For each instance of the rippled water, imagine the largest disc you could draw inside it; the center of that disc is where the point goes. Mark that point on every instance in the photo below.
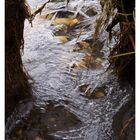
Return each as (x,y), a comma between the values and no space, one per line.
(48,62)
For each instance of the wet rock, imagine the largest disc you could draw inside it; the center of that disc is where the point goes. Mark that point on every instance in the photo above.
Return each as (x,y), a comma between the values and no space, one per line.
(83,88)
(99,93)
(63,39)
(66,21)
(87,90)
(39,125)
(98,62)
(124,122)
(91,12)
(64,14)
(92,94)
(61,30)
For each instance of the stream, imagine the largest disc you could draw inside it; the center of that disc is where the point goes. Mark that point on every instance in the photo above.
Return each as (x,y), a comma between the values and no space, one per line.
(61,110)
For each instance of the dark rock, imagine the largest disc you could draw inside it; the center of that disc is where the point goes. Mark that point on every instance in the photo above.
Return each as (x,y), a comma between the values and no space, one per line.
(91,12)
(39,124)
(124,122)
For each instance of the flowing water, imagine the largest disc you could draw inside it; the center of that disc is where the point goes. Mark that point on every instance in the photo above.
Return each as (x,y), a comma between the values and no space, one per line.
(56,85)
